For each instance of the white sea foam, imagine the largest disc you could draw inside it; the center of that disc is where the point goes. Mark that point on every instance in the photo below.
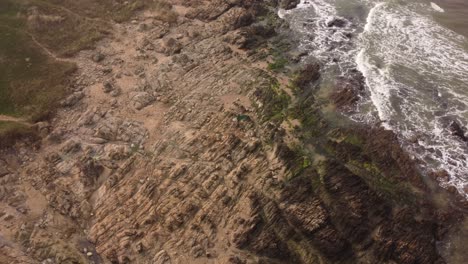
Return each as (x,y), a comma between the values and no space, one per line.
(415,69)
(437,8)
(281,13)
(312,19)
(404,57)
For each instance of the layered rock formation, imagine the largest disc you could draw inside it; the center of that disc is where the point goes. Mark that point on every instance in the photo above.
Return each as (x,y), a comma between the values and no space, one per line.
(173,149)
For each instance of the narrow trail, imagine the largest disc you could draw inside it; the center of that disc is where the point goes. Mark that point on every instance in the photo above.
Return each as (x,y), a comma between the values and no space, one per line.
(7,118)
(40,45)
(46,50)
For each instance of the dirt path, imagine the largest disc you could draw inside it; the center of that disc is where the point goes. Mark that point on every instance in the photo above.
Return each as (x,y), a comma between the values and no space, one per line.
(6,118)
(46,50)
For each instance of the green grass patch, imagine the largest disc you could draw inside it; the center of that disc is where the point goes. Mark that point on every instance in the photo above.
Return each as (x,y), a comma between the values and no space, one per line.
(116,10)
(355,140)
(60,29)
(278,49)
(385,186)
(278,64)
(32,83)
(309,116)
(303,160)
(276,102)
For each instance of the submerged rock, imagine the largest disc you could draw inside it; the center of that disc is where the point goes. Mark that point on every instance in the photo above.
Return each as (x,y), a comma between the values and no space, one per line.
(456,129)
(336,22)
(288,4)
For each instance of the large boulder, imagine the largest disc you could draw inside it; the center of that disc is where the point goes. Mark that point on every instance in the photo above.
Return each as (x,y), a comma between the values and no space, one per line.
(142,99)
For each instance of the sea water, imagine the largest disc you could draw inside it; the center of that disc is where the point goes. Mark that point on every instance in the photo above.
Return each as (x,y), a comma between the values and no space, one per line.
(414,57)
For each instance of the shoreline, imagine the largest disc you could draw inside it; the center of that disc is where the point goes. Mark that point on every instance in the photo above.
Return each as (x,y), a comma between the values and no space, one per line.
(442,198)
(341,41)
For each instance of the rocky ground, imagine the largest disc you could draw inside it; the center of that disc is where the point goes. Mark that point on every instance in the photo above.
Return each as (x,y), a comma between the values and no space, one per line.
(167,152)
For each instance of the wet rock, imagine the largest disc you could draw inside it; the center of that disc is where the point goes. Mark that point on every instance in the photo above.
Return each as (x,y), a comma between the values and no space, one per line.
(348,90)
(310,73)
(297,56)
(456,129)
(440,175)
(336,22)
(288,4)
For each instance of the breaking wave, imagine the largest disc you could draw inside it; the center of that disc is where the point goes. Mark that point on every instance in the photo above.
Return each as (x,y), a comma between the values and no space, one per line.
(416,72)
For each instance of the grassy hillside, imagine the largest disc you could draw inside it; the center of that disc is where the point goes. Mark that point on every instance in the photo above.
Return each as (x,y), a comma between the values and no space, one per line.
(30,81)
(32,33)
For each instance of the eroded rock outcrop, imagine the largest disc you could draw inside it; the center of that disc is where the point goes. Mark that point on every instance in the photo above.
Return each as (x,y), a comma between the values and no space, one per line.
(191,161)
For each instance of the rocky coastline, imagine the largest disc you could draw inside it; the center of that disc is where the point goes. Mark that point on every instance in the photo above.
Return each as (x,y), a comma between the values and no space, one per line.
(200,140)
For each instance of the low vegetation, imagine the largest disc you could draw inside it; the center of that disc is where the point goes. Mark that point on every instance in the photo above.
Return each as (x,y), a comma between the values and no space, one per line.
(33,33)
(275,101)
(278,51)
(32,83)
(278,64)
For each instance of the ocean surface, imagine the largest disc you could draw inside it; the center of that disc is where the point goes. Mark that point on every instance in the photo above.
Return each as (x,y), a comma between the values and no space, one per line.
(414,55)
